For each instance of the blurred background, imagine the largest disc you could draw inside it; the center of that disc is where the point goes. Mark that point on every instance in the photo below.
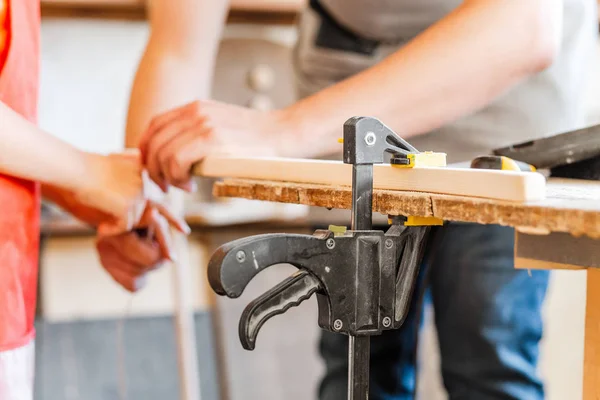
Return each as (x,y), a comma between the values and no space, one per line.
(95,341)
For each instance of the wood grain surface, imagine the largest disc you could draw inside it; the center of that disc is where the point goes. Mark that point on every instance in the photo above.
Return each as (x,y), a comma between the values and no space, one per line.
(591,380)
(493,184)
(571,206)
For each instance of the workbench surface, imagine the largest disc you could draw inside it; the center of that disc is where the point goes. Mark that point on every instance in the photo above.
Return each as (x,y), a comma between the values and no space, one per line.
(252,11)
(571,206)
(202,217)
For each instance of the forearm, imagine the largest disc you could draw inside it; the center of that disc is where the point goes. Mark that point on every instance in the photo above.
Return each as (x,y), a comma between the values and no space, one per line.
(29,153)
(457,66)
(161,83)
(177,65)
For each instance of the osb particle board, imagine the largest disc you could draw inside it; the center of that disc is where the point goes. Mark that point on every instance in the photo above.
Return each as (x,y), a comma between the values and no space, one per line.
(571,206)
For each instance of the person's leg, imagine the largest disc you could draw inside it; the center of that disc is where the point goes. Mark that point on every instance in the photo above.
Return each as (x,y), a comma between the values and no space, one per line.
(487,314)
(393,358)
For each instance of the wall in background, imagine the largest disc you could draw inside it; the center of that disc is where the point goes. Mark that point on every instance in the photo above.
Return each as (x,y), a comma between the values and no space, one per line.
(87,71)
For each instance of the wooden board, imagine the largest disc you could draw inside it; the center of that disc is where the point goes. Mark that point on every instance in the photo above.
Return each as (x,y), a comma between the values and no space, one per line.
(570,205)
(240,11)
(500,185)
(591,380)
(238,213)
(557,250)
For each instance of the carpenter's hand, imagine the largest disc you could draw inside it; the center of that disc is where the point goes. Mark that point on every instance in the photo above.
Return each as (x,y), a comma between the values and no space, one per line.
(117,199)
(178,139)
(128,257)
(115,187)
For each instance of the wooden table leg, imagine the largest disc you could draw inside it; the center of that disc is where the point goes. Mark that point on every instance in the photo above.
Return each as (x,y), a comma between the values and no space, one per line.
(185,328)
(591,364)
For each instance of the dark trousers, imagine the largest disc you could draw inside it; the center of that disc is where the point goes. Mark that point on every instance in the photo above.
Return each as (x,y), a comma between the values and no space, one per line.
(488,321)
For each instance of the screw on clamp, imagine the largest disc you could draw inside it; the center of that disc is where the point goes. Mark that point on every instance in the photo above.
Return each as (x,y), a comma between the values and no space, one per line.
(370,139)
(240,256)
(338,324)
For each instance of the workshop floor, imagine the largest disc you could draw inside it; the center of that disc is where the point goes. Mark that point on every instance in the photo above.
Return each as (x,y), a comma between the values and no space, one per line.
(86,104)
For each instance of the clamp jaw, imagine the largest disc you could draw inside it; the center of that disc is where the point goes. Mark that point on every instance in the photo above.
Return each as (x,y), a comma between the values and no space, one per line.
(363,278)
(367,140)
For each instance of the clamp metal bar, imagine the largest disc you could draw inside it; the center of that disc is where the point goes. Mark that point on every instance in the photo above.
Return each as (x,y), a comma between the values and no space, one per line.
(358,367)
(359,347)
(362,197)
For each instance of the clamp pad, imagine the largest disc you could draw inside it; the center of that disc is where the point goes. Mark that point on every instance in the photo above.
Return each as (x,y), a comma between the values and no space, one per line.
(423,221)
(424,159)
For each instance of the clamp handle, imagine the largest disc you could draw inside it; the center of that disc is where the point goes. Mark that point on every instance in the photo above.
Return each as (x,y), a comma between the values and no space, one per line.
(289,293)
(235,264)
(414,242)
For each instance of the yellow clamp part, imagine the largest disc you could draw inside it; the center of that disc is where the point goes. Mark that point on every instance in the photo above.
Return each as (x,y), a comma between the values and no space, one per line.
(508,164)
(501,163)
(341,140)
(337,230)
(424,159)
(423,221)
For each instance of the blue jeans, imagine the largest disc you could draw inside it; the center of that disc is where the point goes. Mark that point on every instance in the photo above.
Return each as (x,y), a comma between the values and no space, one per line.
(488,320)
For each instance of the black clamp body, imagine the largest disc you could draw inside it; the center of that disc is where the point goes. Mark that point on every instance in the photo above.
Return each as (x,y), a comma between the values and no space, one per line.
(363,278)
(353,299)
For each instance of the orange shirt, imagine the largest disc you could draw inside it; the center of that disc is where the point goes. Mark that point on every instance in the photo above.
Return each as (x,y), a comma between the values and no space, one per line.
(4,31)
(19,199)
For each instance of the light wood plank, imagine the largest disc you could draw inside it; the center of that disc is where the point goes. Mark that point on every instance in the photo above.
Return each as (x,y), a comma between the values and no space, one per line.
(500,185)
(591,366)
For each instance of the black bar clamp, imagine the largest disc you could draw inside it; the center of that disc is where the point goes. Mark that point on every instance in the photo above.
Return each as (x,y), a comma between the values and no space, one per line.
(363,278)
